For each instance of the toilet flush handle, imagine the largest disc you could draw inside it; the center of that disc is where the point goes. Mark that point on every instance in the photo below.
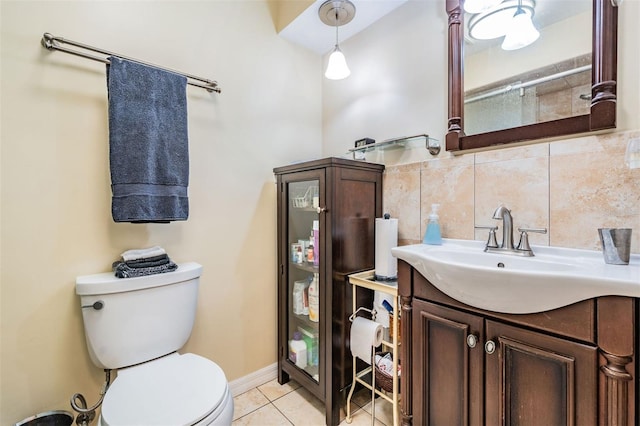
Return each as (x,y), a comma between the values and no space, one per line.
(96,305)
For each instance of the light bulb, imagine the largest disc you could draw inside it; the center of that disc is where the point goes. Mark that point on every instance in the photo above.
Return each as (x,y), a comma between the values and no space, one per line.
(521,32)
(337,68)
(477,6)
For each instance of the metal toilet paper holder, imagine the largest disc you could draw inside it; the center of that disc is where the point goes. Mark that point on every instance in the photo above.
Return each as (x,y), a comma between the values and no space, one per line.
(373,313)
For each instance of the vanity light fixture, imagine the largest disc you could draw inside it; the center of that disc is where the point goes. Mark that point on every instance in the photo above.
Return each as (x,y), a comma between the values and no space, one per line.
(337,13)
(478,6)
(496,22)
(521,31)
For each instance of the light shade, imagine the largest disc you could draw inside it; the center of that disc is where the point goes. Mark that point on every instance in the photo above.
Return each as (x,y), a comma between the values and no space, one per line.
(477,6)
(495,22)
(337,68)
(521,32)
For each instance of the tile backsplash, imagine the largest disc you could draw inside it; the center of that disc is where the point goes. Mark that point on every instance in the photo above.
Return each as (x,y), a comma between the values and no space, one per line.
(571,187)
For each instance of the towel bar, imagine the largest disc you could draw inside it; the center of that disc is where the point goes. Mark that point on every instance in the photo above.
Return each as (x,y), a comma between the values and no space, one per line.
(52,42)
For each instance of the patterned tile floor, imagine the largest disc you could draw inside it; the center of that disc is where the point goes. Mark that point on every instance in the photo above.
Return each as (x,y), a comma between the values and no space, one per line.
(290,404)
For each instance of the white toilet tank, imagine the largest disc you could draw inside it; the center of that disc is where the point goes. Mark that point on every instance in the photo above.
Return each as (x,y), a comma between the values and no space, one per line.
(128,321)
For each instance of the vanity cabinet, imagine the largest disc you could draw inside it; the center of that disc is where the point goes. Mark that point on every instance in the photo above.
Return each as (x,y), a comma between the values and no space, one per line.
(570,366)
(326,222)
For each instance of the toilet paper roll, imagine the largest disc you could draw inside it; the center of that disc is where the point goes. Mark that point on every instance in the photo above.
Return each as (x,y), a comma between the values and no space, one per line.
(386,238)
(365,334)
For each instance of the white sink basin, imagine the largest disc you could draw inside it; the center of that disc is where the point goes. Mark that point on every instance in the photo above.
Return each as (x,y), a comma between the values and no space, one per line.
(553,278)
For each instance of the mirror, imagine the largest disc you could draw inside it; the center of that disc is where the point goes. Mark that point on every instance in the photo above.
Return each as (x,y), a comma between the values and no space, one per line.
(547,79)
(595,69)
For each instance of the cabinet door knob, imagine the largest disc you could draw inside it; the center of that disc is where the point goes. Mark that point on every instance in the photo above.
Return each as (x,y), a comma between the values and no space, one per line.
(472,340)
(490,347)
(321,209)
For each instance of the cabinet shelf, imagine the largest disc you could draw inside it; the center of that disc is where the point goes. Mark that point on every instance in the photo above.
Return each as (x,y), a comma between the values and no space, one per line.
(305,267)
(304,320)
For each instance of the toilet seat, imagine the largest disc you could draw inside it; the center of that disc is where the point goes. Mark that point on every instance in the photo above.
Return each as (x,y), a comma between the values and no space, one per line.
(172,390)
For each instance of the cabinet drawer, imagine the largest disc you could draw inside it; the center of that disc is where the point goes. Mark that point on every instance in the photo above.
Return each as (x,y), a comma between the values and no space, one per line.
(576,321)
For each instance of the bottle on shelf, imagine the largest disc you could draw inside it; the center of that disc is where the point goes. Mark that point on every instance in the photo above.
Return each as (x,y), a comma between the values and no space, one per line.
(305,296)
(298,350)
(311,250)
(298,296)
(316,242)
(314,299)
(311,340)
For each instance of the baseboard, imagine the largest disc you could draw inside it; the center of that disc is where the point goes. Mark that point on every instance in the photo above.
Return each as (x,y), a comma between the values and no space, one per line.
(254,379)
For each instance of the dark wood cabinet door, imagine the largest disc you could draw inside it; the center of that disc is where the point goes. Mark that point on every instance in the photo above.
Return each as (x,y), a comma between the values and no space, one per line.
(536,379)
(342,198)
(447,370)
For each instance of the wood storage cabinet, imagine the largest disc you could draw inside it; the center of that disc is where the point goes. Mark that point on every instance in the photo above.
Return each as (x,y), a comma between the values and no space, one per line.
(326,222)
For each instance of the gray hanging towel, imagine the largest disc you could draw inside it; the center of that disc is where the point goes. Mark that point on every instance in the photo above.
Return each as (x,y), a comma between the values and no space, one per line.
(148,143)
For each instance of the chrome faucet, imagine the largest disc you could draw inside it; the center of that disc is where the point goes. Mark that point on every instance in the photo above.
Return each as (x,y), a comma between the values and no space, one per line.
(523,249)
(504,214)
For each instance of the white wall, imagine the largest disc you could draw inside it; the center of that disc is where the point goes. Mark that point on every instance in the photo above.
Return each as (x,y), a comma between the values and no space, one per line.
(56,221)
(398,82)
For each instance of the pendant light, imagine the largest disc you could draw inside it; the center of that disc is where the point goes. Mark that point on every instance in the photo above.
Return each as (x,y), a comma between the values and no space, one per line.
(521,31)
(337,13)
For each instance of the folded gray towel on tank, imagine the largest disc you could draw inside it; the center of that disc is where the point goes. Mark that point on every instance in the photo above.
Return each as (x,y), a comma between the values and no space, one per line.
(148,143)
(122,270)
(151,261)
(144,263)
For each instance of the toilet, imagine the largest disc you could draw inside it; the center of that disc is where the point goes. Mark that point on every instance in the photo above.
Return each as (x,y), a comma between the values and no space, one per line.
(136,326)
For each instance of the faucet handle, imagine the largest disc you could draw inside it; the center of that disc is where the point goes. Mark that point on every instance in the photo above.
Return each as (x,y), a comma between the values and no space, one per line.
(523,245)
(491,241)
(536,230)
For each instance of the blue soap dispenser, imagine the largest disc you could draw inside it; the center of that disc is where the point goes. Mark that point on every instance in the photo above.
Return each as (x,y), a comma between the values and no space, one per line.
(432,235)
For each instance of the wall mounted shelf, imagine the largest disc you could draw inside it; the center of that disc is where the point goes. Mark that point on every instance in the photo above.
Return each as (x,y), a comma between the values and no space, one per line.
(433,145)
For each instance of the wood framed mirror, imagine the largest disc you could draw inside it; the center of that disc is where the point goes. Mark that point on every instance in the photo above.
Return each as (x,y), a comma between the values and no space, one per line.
(601,113)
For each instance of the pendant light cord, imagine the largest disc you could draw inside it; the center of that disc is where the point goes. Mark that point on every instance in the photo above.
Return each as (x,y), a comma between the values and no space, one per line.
(337,28)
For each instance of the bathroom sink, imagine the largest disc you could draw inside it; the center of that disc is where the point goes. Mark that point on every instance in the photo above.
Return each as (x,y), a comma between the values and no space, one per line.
(553,278)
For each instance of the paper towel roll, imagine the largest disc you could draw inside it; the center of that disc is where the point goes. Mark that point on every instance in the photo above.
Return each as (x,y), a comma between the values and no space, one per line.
(386,238)
(365,334)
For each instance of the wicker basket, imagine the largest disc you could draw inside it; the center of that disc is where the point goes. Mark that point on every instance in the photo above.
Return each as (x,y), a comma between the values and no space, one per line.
(305,200)
(384,381)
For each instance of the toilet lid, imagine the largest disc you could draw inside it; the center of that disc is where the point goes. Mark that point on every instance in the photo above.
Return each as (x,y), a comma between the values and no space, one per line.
(172,390)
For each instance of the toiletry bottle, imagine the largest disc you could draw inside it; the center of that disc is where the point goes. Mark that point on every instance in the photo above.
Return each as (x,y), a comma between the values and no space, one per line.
(311,341)
(298,350)
(432,235)
(316,242)
(298,297)
(299,255)
(314,299)
(305,296)
(310,249)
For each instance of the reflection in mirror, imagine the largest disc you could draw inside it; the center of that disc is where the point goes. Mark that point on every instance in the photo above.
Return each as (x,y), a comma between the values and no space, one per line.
(519,92)
(556,91)
(546,80)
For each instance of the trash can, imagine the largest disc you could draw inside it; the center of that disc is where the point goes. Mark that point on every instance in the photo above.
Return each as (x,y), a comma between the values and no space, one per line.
(49,418)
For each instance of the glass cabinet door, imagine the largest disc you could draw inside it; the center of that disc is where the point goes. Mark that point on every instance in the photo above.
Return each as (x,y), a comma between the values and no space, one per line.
(303,278)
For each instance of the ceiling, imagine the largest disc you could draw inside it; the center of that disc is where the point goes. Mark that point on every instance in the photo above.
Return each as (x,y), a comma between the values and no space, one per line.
(308,30)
